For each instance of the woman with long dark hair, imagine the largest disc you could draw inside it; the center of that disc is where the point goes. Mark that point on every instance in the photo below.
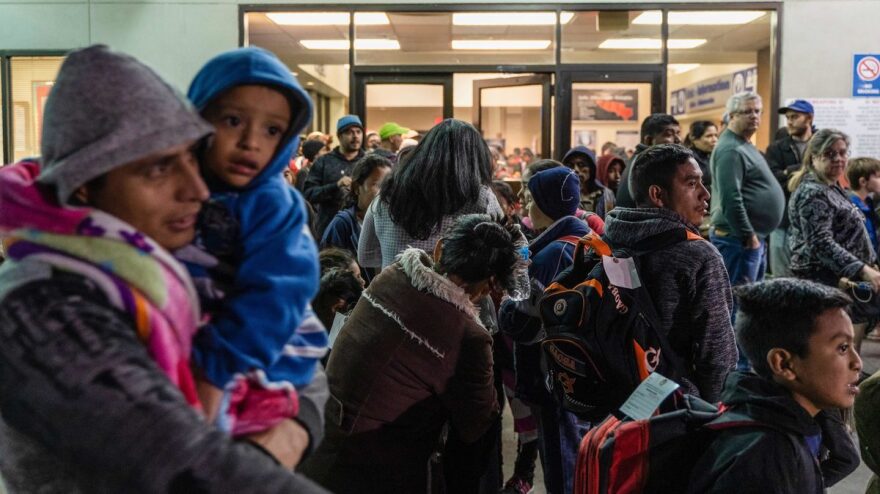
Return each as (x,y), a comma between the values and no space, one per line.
(447,175)
(701,139)
(413,356)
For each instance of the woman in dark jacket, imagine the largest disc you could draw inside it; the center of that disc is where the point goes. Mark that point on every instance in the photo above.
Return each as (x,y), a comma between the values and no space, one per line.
(412,357)
(827,236)
(701,139)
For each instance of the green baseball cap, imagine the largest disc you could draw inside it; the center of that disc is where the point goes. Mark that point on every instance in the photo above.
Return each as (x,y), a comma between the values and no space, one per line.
(391,129)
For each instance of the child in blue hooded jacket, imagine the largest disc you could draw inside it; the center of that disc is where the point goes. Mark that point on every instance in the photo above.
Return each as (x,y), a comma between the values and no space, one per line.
(253,258)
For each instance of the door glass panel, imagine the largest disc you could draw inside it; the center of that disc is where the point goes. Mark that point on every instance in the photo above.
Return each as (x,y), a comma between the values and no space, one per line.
(736,57)
(32,80)
(416,107)
(447,38)
(612,36)
(510,120)
(608,112)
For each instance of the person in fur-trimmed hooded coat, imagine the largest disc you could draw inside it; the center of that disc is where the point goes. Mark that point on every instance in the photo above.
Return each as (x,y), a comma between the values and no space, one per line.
(412,356)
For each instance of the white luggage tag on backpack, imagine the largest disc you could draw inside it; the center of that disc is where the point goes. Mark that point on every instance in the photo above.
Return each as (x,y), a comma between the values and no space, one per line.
(642,403)
(621,272)
(338,322)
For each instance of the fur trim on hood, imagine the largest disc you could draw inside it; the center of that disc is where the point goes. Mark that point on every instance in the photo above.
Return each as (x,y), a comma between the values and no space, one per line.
(419,268)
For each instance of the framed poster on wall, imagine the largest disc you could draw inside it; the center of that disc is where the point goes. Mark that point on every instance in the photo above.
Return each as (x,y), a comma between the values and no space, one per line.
(41,94)
(586,138)
(605,105)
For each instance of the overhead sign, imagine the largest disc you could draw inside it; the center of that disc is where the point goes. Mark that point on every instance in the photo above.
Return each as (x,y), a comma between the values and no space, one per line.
(859,118)
(866,75)
(713,92)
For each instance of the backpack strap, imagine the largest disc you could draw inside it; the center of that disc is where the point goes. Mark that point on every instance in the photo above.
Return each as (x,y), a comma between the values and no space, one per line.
(569,239)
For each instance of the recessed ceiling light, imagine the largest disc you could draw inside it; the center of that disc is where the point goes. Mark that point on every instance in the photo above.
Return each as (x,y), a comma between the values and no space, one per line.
(328,18)
(500,44)
(509,18)
(343,44)
(700,17)
(649,44)
(681,68)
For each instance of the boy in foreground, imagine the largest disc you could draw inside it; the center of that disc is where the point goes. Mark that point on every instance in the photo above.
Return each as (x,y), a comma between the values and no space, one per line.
(799,340)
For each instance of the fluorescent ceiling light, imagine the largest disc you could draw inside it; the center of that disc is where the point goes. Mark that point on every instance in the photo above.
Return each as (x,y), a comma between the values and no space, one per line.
(700,17)
(649,44)
(509,18)
(681,68)
(500,44)
(327,18)
(343,44)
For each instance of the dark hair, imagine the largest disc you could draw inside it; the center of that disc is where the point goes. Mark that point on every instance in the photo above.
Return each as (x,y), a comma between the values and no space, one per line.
(362,171)
(444,173)
(336,283)
(545,164)
(697,130)
(655,123)
(781,313)
(501,188)
(335,258)
(476,248)
(608,145)
(656,165)
(311,148)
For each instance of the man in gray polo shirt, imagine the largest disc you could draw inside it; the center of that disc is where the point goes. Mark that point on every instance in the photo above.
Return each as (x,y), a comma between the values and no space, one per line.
(747,201)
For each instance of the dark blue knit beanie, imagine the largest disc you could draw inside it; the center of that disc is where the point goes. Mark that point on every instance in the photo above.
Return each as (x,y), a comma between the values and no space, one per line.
(556,191)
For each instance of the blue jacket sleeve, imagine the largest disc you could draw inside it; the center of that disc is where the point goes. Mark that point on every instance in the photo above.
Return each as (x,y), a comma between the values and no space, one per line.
(274,283)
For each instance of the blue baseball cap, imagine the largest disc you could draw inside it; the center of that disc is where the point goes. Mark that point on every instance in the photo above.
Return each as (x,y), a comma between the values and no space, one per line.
(347,121)
(798,105)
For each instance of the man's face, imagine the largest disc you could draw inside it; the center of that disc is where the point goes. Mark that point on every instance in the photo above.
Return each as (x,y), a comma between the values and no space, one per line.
(374,141)
(872,184)
(350,139)
(395,140)
(688,196)
(827,376)
(671,134)
(159,195)
(580,164)
(746,120)
(250,123)
(798,123)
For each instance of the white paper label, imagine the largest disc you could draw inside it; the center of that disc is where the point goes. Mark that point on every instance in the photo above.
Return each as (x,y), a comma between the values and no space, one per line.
(338,321)
(621,272)
(648,396)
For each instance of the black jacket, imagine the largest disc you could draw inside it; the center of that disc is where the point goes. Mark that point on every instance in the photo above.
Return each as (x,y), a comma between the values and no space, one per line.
(703,160)
(783,158)
(773,457)
(623,196)
(321,189)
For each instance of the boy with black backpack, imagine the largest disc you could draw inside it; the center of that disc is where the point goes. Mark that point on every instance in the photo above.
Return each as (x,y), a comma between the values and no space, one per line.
(799,340)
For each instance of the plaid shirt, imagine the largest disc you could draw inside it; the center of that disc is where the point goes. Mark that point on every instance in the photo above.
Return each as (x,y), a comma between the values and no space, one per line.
(382,240)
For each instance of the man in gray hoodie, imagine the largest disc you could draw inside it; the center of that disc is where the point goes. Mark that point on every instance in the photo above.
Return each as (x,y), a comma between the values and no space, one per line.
(687,280)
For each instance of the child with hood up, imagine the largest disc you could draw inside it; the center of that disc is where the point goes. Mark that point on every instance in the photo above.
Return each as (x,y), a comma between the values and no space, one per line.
(253,258)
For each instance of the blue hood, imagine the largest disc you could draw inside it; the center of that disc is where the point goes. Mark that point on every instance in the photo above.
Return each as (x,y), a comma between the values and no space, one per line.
(584,151)
(253,65)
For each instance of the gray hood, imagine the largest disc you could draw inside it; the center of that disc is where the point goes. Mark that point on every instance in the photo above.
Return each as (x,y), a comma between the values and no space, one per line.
(624,227)
(106,110)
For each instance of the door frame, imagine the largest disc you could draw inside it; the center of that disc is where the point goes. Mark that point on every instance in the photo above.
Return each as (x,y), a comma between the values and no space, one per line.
(358,100)
(543,79)
(655,74)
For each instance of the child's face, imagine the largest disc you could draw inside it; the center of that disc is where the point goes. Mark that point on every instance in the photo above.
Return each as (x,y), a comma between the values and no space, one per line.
(827,376)
(250,123)
(873,183)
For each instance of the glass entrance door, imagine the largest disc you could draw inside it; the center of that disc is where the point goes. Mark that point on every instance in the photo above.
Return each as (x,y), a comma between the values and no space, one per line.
(606,107)
(415,102)
(513,114)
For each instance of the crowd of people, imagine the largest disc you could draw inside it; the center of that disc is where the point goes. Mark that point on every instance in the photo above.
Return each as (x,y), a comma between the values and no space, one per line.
(195,297)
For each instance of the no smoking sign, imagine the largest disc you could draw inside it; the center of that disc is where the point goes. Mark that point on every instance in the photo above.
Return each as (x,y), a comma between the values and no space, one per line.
(866,72)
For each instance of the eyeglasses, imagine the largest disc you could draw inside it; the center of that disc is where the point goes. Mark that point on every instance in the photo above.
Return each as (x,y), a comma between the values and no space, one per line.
(831,154)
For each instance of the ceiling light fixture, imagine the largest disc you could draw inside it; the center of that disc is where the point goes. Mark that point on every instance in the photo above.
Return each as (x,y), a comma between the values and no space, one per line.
(343,44)
(509,18)
(328,18)
(649,44)
(500,44)
(700,17)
